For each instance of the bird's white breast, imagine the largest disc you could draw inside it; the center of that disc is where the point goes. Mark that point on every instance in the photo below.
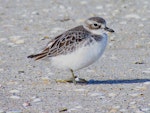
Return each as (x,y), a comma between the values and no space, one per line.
(82,57)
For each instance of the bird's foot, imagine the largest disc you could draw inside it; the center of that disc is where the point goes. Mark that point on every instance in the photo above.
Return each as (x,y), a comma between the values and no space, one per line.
(72,80)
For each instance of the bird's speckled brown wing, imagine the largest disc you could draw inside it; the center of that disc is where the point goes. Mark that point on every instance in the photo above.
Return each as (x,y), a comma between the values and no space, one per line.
(64,43)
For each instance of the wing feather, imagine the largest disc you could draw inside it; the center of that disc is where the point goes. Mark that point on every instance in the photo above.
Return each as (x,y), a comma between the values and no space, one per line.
(64,43)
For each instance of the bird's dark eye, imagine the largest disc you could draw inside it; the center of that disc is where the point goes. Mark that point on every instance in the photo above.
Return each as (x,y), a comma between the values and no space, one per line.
(95,25)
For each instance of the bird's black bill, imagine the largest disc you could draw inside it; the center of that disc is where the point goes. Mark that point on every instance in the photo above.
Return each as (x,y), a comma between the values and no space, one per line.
(108,29)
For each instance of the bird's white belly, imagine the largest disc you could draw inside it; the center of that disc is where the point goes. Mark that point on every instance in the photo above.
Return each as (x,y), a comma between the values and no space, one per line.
(82,57)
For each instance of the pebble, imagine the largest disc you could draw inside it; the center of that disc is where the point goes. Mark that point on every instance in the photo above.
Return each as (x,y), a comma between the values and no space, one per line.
(14,111)
(139,62)
(113,110)
(113,57)
(90,71)
(14,91)
(123,22)
(35,13)
(146,71)
(122,110)
(112,38)
(100,95)
(20,41)
(147,83)
(56,29)
(79,89)
(63,110)
(45,80)
(26,104)
(0,86)
(15,97)
(141,25)
(99,7)
(134,94)
(11,44)
(1,69)
(83,2)
(75,108)
(135,16)
(143,88)
(37,100)
(45,10)
(145,109)
(116,107)
(2,39)
(16,39)
(2,111)
(131,103)
(111,94)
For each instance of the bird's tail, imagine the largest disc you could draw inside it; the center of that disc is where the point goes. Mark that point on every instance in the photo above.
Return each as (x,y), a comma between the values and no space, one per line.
(38,56)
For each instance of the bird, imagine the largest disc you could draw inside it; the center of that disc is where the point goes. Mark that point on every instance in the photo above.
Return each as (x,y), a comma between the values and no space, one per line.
(78,47)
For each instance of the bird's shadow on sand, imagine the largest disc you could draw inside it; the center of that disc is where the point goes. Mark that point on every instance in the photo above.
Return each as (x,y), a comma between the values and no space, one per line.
(125,81)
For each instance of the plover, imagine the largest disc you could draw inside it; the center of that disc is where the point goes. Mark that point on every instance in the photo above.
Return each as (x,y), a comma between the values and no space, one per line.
(78,47)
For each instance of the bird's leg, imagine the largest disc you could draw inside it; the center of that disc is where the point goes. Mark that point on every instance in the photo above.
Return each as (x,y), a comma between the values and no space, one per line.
(73,77)
(70,80)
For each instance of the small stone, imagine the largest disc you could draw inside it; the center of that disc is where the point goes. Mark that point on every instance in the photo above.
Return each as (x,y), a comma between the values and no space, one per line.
(14,91)
(1,69)
(35,13)
(11,44)
(0,86)
(21,41)
(16,39)
(15,97)
(113,57)
(147,83)
(63,110)
(83,2)
(45,37)
(143,88)
(146,71)
(138,45)
(45,80)
(75,108)
(2,111)
(131,103)
(112,38)
(34,97)
(90,71)
(100,95)
(56,29)
(20,72)
(37,100)
(134,94)
(145,109)
(123,23)
(2,39)
(122,110)
(135,16)
(14,111)
(113,110)
(141,25)
(99,7)
(26,104)
(65,19)
(111,94)
(80,90)
(139,62)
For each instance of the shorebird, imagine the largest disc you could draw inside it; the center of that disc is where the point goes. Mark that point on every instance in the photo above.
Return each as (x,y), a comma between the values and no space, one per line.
(78,47)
